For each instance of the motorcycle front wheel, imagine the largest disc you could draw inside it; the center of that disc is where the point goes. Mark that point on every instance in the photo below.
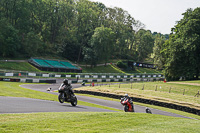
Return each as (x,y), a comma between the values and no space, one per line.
(74,102)
(126,108)
(61,98)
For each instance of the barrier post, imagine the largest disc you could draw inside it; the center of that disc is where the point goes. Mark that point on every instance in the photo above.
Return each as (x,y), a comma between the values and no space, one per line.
(197,94)
(170,90)
(183,91)
(143,87)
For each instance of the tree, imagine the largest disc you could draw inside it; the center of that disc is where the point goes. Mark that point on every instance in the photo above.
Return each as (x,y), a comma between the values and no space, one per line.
(144,44)
(157,54)
(9,40)
(102,43)
(183,57)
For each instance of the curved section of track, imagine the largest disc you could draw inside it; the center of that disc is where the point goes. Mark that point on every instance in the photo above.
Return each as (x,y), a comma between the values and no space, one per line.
(112,104)
(28,105)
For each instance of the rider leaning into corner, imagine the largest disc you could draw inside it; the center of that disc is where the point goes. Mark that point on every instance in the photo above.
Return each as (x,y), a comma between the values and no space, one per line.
(67,85)
(127,97)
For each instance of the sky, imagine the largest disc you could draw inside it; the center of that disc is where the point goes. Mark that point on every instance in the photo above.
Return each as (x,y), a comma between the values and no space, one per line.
(157,15)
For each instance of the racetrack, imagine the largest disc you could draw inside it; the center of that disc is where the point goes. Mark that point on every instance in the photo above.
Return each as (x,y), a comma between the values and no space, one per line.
(28,105)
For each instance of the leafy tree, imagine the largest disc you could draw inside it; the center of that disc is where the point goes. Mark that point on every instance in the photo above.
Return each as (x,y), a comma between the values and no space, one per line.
(32,45)
(144,44)
(86,22)
(157,54)
(102,43)
(9,40)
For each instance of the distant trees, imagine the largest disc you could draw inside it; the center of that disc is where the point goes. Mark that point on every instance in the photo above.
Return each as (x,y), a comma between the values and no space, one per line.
(9,39)
(79,30)
(180,55)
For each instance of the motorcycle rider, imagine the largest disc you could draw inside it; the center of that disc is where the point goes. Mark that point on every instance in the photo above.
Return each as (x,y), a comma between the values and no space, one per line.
(67,85)
(129,103)
(127,97)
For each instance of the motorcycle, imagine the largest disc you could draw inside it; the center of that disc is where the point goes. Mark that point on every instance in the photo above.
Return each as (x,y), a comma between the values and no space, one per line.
(83,84)
(66,95)
(128,105)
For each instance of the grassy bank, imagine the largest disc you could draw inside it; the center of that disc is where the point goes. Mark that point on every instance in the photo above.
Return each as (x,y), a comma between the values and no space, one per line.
(166,92)
(18,66)
(25,66)
(100,69)
(96,122)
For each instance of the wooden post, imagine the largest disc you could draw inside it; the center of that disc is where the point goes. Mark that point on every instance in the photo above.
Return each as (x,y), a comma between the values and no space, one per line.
(170,90)
(197,94)
(131,85)
(119,85)
(156,88)
(143,87)
(184,92)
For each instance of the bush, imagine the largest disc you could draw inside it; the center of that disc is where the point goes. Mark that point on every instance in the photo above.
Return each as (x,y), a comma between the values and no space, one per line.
(121,64)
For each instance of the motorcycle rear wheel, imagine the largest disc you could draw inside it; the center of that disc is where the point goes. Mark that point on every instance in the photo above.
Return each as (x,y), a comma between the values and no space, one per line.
(133,108)
(61,98)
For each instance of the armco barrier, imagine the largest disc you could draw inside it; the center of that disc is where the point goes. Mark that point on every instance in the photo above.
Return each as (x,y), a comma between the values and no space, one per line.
(146,101)
(116,80)
(38,80)
(28,80)
(10,79)
(87,76)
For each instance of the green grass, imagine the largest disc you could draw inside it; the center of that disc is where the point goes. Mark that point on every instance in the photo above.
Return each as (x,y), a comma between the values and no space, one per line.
(13,89)
(100,69)
(18,66)
(96,122)
(160,94)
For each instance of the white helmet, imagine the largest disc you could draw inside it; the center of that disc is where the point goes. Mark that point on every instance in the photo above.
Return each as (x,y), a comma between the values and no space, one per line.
(126,95)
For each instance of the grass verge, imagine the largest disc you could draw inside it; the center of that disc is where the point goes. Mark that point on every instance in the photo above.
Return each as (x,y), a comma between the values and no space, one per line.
(96,122)
(155,91)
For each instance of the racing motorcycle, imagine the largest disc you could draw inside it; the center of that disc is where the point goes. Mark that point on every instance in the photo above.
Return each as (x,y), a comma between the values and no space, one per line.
(128,105)
(66,95)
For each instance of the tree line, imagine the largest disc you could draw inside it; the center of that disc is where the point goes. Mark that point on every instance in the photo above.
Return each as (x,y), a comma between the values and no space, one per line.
(180,54)
(79,30)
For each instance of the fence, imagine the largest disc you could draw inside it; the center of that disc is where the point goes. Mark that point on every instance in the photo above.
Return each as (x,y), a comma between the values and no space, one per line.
(82,75)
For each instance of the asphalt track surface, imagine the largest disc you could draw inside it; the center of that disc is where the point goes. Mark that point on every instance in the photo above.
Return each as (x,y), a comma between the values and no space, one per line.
(28,105)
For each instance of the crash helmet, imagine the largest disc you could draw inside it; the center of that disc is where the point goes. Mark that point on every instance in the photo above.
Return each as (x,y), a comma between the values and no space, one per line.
(126,95)
(65,81)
